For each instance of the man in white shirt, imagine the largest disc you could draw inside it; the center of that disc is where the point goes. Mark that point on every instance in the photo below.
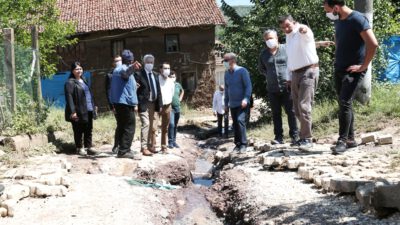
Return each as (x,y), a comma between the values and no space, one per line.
(167,92)
(219,111)
(303,73)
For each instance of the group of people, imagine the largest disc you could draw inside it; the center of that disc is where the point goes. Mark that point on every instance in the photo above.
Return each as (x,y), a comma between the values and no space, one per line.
(292,72)
(130,88)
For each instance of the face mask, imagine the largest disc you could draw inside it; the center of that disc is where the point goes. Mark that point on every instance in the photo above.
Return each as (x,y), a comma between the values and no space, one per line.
(149,66)
(119,63)
(226,65)
(272,43)
(166,72)
(174,79)
(332,16)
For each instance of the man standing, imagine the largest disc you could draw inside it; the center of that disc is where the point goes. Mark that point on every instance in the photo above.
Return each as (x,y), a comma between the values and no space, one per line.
(303,70)
(273,65)
(355,48)
(150,103)
(238,90)
(167,93)
(175,112)
(123,97)
(116,63)
(219,111)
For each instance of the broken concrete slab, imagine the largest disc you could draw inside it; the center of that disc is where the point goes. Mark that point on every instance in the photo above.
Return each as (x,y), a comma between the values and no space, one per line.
(23,142)
(386,196)
(346,185)
(385,140)
(368,138)
(17,192)
(364,194)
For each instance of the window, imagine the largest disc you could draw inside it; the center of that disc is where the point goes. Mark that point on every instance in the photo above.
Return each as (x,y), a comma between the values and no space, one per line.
(172,43)
(189,81)
(219,77)
(117,47)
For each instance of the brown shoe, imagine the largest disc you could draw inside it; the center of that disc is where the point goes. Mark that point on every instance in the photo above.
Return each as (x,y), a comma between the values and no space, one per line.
(146,152)
(164,150)
(152,150)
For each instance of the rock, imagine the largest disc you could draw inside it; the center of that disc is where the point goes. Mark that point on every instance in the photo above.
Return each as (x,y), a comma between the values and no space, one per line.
(346,185)
(326,183)
(386,196)
(46,191)
(164,213)
(17,192)
(10,174)
(368,138)
(219,155)
(23,142)
(10,206)
(27,174)
(293,164)
(51,180)
(385,140)
(3,212)
(364,194)
(66,181)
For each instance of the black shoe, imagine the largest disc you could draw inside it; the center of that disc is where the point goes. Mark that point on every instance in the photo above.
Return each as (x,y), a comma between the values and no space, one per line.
(236,148)
(351,143)
(127,155)
(295,141)
(91,151)
(170,146)
(176,145)
(114,150)
(277,142)
(242,149)
(340,147)
(305,144)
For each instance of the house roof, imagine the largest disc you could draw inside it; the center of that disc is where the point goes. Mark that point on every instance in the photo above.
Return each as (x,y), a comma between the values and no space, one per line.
(104,15)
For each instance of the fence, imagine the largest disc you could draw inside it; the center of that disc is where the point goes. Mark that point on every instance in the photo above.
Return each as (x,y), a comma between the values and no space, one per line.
(17,68)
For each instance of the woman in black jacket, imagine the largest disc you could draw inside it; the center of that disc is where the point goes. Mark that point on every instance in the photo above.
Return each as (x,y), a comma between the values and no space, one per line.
(80,109)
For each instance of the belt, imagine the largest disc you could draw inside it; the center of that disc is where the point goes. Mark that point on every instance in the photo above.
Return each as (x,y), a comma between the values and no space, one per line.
(306,67)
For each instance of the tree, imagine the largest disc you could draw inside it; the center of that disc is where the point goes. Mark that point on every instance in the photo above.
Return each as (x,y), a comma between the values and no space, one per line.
(244,35)
(22,14)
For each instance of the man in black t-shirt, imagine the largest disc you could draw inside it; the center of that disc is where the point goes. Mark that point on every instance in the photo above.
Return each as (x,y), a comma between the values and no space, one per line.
(355,48)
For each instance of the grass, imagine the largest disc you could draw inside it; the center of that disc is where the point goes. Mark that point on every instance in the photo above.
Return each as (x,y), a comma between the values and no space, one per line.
(383,108)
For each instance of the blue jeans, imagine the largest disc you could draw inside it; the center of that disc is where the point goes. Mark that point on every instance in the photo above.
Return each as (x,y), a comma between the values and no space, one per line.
(173,126)
(239,125)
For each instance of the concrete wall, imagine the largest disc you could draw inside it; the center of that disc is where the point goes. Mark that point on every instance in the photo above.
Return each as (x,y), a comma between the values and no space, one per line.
(194,62)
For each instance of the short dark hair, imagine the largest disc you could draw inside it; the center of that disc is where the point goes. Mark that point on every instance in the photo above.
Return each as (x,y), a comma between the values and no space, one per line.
(283,18)
(332,3)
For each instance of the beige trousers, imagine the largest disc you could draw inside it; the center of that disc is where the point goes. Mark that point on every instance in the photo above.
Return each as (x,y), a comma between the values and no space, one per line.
(149,126)
(165,117)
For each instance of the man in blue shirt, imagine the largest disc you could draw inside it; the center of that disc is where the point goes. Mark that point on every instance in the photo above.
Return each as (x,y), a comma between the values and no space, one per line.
(124,99)
(355,48)
(238,90)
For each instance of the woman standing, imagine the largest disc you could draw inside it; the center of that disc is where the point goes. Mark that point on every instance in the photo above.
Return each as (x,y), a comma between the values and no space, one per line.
(80,109)
(175,112)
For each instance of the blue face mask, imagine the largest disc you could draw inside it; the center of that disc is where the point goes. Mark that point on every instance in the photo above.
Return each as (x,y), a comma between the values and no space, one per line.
(226,65)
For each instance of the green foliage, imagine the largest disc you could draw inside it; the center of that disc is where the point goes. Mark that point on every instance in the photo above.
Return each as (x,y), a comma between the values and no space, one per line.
(22,14)
(244,35)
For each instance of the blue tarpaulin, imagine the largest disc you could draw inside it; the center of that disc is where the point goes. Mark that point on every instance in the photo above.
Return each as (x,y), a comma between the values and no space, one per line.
(53,88)
(392,52)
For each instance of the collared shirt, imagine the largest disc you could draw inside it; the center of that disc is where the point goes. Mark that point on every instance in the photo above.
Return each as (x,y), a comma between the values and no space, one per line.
(218,102)
(167,89)
(238,87)
(301,49)
(274,68)
(176,101)
(88,95)
(152,98)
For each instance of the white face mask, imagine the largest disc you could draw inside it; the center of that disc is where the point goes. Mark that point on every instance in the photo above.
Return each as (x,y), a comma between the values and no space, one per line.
(173,79)
(119,63)
(226,65)
(149,66)
(332,16)
(166,72)
(272,43)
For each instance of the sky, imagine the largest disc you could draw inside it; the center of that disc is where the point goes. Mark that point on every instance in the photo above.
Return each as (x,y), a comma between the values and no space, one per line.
(235,2)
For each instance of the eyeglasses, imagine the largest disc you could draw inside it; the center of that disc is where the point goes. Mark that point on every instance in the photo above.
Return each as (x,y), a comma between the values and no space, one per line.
(226,60)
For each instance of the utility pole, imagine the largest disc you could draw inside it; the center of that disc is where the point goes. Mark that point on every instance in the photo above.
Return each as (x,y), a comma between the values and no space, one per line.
(36,79)
(9,66)
(363,93)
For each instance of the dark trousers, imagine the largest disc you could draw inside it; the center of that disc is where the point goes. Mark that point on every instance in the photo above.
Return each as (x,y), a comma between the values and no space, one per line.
(277,101)
(173,126)
(83,130)
(125,127)
(346,86)
(116,135)
(239,125)
(223,118)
